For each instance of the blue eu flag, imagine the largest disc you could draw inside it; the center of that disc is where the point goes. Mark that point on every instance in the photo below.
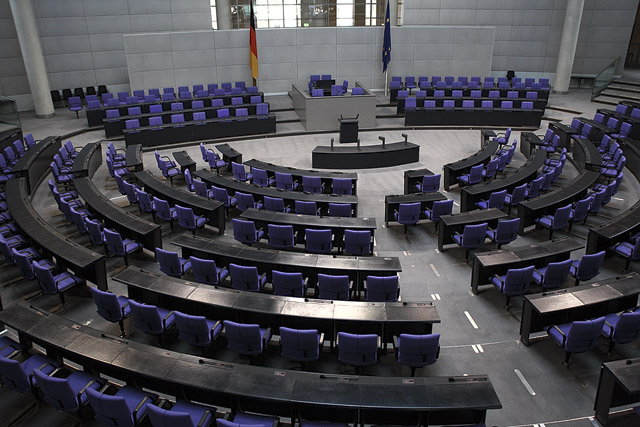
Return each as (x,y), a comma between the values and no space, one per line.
(386,47)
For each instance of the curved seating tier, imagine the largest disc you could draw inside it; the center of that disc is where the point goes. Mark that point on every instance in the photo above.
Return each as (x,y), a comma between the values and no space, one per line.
(451,171)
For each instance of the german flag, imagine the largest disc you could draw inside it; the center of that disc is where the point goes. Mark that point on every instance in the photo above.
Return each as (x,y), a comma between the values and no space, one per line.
(254,47)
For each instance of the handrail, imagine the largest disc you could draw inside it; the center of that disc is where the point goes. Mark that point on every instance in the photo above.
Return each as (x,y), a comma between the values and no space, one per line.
(604,78)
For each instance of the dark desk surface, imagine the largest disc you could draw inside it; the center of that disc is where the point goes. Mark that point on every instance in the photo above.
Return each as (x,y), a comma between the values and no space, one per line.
(578,303)
(456,222)
(258,388)
(365,156)
(133,157)
(452,170)
(268,259)
(184,160)
(474,117)
(36,162)
(127,224)
(619,229)
(82,261)
(88,160)
(412,177)
(573,191)
(486,264)
(627,374)
(586,154)
(426,200)
(526,173)
(229,154)
(212,209)
(290,197)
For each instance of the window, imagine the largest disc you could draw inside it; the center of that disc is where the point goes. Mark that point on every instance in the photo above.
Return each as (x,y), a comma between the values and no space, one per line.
(305,13)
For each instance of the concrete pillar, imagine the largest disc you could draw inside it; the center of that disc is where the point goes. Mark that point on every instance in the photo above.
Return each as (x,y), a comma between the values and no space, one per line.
(223,15)
(568,43)
(393,12)
(25,22)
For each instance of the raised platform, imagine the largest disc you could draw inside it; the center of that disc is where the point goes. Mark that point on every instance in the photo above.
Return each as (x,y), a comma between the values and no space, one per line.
(365,157)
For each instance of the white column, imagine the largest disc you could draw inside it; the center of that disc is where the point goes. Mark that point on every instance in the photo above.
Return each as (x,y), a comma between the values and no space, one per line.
(393,12)
(223,15)
(568,43)
(25,23)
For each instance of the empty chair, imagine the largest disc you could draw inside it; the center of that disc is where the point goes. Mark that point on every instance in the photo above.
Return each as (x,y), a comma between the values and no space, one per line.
(341,186)
(629,250)
(492,168)
(318,241)
(75,104)
(557,221)
(245,201)
(340,209)
(586,268)
(188,220)
(317,92)
(506,232)
(503,138)
(576,337)
(281,236)
(221,195)
(18,376)
(67,394)
(197,330)
(289,284)
(417,351)
(518,195)
(239,173)
(516,282)
(164,211)
(111,307)
(201,189)
(261,178)
(336,90)
(533,190)
(285,181)
(171,264)
(151,320)
(275,204)
(312,184)
(357,242)
(119,246)
(496,200)
(407,214)
(246,278)
(333,287)
(300,345)
(429,184)
(23,260)
(357,350)
(127,407)
(621,328)
(472,237)
(473,177)
(215,162)
(579,211)
(246,339)
(382,288)
(182,414)
(306,208)
(554,275)
(206,271)
(439,208)
(55,284)
(188,180)
(246,232)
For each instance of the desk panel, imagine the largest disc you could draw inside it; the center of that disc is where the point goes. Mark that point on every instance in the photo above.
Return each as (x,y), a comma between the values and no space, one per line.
(473,117)
(449,224)
(366,156)
(392,202)
(451,171)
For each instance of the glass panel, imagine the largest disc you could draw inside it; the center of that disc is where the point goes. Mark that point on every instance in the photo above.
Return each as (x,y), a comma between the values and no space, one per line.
(604,78)
(8,113)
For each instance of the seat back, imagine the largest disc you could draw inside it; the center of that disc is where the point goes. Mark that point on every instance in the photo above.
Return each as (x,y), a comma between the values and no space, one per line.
(357,350)
(300,345)
(114,242)
(556,274)
(561,217)
(581,210)
(536,186)
(475,175)
(146,317)
(204,270)
(169,262)
(517,281)
(281,236)
(245,201)
(418,350)
(496,199)
(238,171)
(431,183)
(492,168)
(340,209)
(518,194)
(318,241)
(244,231)
(186,217)
(341,186)
(441,207)
(107,305)
(192,329)
(582,335)
(408,213)
(163,210)
(160,417)
(333,287)
(284,181)
(13,375)
(473,235)
(306,208)
(627,328)
(357,242)
(221,195)
(312,184)
(111,410)
(45,279)
(243,338)
(260,177)
(244,278)
(507,231)
(275,204)
(287,284)
(56,392)
(382,288)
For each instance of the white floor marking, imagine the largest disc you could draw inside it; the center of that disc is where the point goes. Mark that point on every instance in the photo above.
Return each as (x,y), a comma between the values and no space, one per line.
(525,382)
(437,250)
(456,203)
(480,349)
(473,323)
(475,349)
(433,296)
(438,297)
(116,198)
(433,267)
(618,198)
(405,253)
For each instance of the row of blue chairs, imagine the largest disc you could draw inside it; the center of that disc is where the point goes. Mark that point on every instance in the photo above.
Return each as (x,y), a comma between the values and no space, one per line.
(248,278)
(412,103)
(114,114)
(356,242)
(12,153)
(298,345)
(470,82)
(476,94)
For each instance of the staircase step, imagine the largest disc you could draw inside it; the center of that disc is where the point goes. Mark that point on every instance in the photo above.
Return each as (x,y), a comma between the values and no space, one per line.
(626,82)
(623,88)
(602,101)
(615,95)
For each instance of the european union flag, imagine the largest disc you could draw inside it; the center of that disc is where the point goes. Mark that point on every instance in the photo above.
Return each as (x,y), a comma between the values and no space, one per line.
(386,47)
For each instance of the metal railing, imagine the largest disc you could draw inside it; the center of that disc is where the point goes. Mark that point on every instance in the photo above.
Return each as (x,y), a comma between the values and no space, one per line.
(604,78)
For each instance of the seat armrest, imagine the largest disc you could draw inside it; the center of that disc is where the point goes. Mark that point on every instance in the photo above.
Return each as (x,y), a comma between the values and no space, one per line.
(498,277)
(321,341)
(438,352)
(205,415)
(564,337)
(267,336)
(122,309)
(164,321)
(222,271)
(79,396)
(214,327)
(14,354)
(610,325)
(140,405)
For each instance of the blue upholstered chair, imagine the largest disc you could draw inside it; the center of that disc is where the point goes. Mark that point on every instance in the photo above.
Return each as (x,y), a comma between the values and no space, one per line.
(201,189)
(516,282)
(554,275)
(197,331)
(246,278)
(206,271)
(261,178)
(285,181)
(246,232)
(629,250)
(18,376)
(150,319)
(439,208)
(165,212)
(221,195)
(429,184)
(517,195)
(111,307)
(358,350)
(407,214)
(127,406)
(382,288)
(300,345)
(67,394)
(340,210)
(246,339)
(473,177)
(417,351)
(181,414)
(333,287)
(188,220)
(289,284)
(318,241)
(506,232)
(621,328)
(472,237)
(171,264)
(576,337)
(496,200)
(243,419)
(341,186)
(245,201)
(557,221)
(58,284)
(275,204)
(281,236)
(312,184)
(119,246)
(357,242)
(586,268)
(240,173)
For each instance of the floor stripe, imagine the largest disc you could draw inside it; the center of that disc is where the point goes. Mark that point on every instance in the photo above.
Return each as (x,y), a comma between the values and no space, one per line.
(475,349)
(437,251)
(594,422)
(438,297)
(405,253)
(480,349)
(618,198)
(525,382)
(433,296)
(473,323)
(433,267)
(116,198)
(456,203)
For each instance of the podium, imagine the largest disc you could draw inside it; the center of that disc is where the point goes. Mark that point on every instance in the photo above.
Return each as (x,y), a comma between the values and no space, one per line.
(348,129)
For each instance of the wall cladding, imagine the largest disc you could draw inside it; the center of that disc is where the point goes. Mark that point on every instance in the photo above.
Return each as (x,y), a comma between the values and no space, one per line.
(528,32)
(290,55)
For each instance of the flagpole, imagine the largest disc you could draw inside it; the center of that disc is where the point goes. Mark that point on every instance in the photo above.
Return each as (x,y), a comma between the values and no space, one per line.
(386,82)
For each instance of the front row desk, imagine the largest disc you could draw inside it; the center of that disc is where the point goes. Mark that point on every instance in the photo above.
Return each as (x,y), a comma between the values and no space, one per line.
(473,117)
(619,385)
(366,156)
(285,393)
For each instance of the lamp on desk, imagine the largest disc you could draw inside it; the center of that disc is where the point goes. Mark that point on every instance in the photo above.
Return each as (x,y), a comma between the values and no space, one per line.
(405,136)
(382,138)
